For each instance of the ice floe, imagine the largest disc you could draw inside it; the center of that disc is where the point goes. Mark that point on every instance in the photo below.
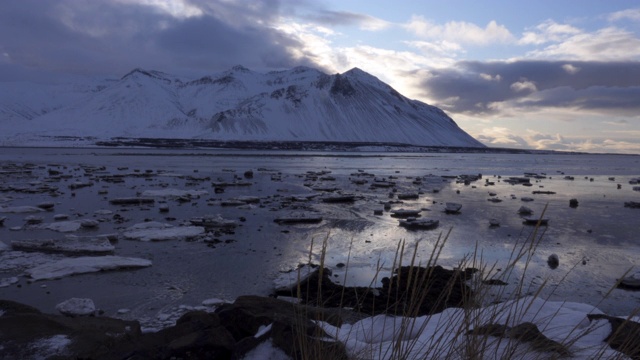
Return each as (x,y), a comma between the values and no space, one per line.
(69,244)
(77,307)
(82,265)
(4,282)
(20,209)
(164,233)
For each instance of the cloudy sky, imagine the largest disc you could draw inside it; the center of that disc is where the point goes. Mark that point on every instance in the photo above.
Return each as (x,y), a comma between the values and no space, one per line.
(542,74)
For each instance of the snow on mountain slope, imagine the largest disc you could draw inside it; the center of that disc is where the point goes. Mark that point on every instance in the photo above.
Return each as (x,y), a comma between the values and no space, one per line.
(300,104)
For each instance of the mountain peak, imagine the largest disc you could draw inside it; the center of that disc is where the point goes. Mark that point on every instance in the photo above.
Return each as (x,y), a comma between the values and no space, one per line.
(154,74)
(240,68)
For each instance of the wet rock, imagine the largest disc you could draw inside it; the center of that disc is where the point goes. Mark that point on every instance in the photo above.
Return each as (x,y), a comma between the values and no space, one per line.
(131,201)
(83,337)
(631,282)
(344,198)
(290,327)
(408,196)
(298,219)
(624,336)
(525,332)
(632,204)
(573,203)
(46,205)
(33,220)
(553,261)
(525,210)
(492,282)
(79,185)
(444,288)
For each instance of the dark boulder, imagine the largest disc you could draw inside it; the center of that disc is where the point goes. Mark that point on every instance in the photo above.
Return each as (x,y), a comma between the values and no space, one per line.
(411,291)
(624,336)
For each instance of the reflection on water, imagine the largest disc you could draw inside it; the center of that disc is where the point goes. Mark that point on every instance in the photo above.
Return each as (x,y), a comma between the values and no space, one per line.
(596,242)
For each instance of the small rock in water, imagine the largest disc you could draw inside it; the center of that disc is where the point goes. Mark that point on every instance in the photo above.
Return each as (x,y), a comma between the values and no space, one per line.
(494,223)
(77,307)
(573,203)
(553,261)
(525,210)
(46,205)
(32,219)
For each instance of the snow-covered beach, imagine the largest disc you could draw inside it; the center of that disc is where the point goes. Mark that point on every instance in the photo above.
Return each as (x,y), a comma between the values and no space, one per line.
(208,231)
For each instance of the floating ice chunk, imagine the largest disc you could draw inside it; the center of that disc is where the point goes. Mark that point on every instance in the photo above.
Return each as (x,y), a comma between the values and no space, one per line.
(20,209)
(82,265)
(286,281)
(69,244)
(61,226)
(4,282)
(76,307)
(149,225)
(163,234)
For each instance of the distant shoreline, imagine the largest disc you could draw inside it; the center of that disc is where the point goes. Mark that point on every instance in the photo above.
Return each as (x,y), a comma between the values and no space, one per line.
(176,143)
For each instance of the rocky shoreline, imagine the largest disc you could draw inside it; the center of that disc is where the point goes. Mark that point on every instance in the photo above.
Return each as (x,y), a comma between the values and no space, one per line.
(235,330)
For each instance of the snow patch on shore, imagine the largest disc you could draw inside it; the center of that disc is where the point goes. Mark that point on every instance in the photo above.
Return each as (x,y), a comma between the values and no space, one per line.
(441,334)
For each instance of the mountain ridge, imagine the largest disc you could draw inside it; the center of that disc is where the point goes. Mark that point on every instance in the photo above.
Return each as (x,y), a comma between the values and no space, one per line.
(299,104)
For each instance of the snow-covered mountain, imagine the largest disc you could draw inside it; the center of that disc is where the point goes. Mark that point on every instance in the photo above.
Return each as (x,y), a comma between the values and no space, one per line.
(301,104)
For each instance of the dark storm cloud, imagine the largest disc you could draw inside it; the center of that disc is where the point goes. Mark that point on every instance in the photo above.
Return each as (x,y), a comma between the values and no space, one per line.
(524,84)
(106,37)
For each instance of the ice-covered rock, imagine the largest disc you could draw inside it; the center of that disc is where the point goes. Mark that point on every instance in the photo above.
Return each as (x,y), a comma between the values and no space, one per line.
(77,307)
(82,265)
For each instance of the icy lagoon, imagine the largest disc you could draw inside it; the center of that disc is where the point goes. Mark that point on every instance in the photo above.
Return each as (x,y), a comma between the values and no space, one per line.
(596,242)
